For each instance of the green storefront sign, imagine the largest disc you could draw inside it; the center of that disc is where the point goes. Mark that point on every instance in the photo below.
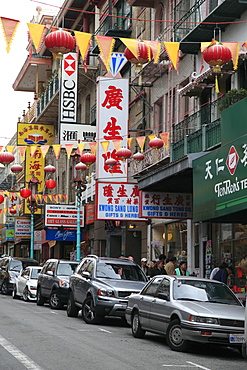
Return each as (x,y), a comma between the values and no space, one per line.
(220,183)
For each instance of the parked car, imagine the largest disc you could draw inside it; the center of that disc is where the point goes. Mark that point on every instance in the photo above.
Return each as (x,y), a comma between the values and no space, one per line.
(187,309)
(26,283)
(100,287)
(53,282)
(10,268)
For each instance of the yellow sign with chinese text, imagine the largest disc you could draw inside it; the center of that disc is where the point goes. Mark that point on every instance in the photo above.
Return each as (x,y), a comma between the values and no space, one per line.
(35,134)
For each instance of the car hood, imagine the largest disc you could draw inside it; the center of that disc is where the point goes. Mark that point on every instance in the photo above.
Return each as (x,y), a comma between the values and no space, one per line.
(127,285)
(212,309)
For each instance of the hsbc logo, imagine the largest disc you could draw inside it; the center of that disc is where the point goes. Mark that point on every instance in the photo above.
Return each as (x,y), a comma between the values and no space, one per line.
(69,65)
(232,160)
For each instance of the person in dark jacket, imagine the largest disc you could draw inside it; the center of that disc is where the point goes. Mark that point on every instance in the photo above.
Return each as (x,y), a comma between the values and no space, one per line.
(158,270)
(222,274)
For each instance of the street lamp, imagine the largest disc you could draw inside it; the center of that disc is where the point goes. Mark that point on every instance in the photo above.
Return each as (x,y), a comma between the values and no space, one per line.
(32,206)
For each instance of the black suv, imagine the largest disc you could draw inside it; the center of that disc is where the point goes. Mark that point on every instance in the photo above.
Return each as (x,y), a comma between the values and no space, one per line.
(10,268)
(100,287)
(53,282)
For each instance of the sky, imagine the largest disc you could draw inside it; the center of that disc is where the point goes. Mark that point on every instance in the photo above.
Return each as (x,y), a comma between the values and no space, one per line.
(12,103)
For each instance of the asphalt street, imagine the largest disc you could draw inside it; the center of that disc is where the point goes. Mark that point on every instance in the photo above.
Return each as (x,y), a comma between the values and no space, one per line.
(38,338)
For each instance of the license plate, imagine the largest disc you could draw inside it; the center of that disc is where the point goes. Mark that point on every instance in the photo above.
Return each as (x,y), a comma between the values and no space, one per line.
(236,338)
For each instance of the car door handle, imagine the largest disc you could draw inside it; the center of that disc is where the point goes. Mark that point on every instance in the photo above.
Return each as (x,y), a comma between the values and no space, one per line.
(154,300)
(141,299)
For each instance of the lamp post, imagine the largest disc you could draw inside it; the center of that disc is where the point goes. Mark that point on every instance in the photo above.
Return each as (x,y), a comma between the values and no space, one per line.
(32,206)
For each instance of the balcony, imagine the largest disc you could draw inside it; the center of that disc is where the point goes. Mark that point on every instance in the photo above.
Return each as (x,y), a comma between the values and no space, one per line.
(145,3)
(190,13)
(47,105)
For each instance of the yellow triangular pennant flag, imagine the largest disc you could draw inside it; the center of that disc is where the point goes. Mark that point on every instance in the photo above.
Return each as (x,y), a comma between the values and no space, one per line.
(129,141)
(83,42)
(141,141)
(32,150)
(69,148)
(151,137)
(22,151)
(116,144)
(93,147)
(131,44)
(36,31)
(50,197)
(56,149)
(45,198)
(165,137)
(10,148)
(105,145)
(156,49)
(9,27)
(172,49)
(234,48)
(106,45)
(81,147)
(44,149)
(217,85)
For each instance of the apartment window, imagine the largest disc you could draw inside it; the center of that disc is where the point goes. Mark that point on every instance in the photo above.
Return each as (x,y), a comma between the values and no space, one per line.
(87,109)
(158,115)
(159,15)
(123,10)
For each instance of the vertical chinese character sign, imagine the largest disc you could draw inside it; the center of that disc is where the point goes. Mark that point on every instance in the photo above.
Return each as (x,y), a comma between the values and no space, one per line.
(112,126)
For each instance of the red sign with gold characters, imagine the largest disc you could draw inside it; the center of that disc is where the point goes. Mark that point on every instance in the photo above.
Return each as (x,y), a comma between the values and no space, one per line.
(35,134)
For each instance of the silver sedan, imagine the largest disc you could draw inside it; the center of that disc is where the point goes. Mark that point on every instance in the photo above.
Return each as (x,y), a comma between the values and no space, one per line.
(186,309)
(26,283)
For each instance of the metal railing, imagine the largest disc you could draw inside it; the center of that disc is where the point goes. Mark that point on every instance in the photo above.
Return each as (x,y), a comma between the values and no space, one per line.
(49,92)
(188,13)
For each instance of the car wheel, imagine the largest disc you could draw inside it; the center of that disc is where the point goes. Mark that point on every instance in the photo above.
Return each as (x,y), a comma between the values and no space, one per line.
(88,312)
(4,288)
(72,309)
(54,301)
(25,295)
(40,299)
(137,330)
(174,337)
(14,295)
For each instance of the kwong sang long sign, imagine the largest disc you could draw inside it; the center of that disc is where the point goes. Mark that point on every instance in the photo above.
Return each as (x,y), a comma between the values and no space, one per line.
(117,201)
(166,205)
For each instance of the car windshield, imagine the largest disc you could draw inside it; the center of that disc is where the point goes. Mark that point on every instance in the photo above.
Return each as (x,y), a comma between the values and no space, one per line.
(66,269)
(120,271)
(15,265)
(35,274)
(203,291)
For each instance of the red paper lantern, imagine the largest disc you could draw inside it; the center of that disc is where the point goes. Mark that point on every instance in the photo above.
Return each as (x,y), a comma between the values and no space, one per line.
(80,166)
(12,211)
(60,42)
(88,158)
(111,162)
(144,53)
(50,184)
(156,143)
(216,55)
(138,157)
(50,169)
(16,168)
(6,158)
(1,198)
(25,193)
(123,154)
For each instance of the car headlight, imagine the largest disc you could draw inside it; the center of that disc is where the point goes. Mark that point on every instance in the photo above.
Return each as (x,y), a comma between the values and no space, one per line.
(204,320)
(106,292)
(63,284)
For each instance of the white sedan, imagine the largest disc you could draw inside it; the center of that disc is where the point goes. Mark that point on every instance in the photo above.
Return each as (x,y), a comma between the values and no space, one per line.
(26,283)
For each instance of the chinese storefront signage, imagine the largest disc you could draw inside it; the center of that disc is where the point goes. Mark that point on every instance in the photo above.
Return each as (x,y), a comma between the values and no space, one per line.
(112,126)
(220,181)
(166,205)
(34,166)
(35,134)
(90,213)
(71,134)
(117,201)
(62,215)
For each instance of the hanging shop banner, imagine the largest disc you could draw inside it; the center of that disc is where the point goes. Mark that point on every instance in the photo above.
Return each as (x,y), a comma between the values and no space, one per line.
(71,134)
(117,201)
(22,227)
(90,213)
(220,183)
(8,234)
(34,166)
(166,205)
(112,126)
(61,235)
(68,89)
(35,134)
(13,201)
(62,215)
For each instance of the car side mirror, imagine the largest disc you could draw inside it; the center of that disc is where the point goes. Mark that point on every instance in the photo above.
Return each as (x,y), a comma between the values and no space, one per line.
(86,274)
(164,296)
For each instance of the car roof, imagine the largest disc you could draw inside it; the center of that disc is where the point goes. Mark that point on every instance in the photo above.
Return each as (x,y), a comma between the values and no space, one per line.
(61,261)
(24,259)
(122,260)
(34,267)
(179,277)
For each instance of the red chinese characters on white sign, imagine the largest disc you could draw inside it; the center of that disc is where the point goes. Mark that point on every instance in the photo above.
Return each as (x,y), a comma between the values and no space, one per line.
(117,201)
(112,126)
